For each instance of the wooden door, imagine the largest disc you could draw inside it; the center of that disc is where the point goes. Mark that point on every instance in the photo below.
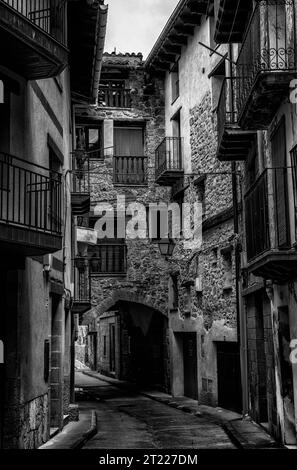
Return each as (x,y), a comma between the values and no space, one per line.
(190,365)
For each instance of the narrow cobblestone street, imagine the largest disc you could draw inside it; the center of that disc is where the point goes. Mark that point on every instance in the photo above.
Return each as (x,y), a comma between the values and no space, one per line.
(127,420)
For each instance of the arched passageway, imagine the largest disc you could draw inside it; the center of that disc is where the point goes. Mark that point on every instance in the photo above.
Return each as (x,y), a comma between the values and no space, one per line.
(132,344)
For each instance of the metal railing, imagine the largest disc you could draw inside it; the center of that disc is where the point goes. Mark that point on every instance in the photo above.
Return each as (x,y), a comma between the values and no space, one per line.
(82,280)
(130,170)
(258,222)
(269,45)
(80,173)
(48,15)
(114,97)
(108,259)
(30,195)
(226,110)
(169,155)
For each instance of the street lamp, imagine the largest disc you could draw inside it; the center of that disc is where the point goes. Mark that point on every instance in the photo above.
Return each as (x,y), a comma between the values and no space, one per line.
(166,247)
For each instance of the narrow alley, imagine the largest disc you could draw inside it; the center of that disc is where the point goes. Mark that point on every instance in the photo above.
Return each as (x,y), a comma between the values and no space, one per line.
(128,420)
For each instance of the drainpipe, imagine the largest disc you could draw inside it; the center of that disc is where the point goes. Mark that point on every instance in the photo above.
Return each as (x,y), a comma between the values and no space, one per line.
(240,314)
(99,49)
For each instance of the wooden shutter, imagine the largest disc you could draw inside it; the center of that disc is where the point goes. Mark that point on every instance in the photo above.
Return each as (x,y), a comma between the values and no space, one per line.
(278,145)
(128,142)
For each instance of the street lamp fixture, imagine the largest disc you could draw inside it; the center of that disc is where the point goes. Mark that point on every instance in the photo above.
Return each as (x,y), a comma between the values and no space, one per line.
(166,247)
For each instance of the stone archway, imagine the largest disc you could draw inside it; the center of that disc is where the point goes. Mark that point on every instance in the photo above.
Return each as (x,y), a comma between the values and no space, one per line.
(122,295)
(132,339)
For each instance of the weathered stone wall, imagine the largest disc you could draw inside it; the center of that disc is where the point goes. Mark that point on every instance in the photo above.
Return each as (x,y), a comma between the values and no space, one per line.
(213,309)
(216,302)
(26,425)
(146,270)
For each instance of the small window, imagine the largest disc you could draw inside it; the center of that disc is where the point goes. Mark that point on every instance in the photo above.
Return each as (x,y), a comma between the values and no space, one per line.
(175,82)
(173,299)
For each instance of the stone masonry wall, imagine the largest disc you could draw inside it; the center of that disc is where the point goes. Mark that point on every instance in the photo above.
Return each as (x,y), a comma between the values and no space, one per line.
(147,272)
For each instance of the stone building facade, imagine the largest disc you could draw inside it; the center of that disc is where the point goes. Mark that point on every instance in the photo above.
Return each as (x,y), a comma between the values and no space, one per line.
(130,116)
(263,148)
(36,378)
(203,291)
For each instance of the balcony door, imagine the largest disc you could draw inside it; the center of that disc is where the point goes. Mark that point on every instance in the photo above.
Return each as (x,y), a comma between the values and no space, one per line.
(280,186)
(129,161)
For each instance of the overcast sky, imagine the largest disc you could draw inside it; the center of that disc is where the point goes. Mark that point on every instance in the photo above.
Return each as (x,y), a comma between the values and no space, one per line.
(134,25)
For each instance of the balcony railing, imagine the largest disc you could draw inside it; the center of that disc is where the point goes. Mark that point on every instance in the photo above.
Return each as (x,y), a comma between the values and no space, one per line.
(268,46)
(81,173)
(113,97)
(258,221)
(257,218)
(82,285)
(30,196)
(108,259)
(48,15)
(130,170)
(227,108)
(233,142)
(169,156)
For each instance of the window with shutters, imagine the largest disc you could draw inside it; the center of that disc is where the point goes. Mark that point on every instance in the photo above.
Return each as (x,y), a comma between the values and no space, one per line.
(130,164)
(109,256)
(280,185)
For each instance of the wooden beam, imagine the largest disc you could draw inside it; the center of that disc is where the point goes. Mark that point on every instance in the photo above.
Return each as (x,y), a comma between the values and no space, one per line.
(187,30)
(170,48)
(178,39)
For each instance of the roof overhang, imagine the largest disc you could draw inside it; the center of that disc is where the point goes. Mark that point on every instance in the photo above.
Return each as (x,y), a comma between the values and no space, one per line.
(181,24)
(87,31)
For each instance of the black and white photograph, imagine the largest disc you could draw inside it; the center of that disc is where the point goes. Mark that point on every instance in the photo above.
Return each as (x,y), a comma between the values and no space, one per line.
(148,231)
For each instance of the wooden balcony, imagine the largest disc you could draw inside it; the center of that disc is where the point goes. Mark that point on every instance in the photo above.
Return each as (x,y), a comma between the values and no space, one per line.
(33,37)
(112,95)
(80,193)
(30,208)
(108,259)
(232,17)
(233,142)
(169,161)
(82,286)
(269,250)
(130,171)
(266,63)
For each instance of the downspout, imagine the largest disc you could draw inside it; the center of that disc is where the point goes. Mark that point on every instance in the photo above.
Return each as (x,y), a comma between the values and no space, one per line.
(99,49)
(240,316)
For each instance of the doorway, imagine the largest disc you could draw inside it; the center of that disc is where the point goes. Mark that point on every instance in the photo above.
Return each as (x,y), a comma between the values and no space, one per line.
(190,365)
(229,378)
(112,348)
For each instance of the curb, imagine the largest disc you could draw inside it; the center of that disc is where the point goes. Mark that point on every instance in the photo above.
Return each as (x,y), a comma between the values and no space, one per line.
(223,423)
(88,434)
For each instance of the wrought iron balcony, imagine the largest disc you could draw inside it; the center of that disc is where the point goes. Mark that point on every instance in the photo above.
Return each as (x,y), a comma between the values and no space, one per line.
(30,207)
(130,170)
(108,259)
(231,20)
(80,194)
(169,161)
(113,96)
(269,251)
(267,62)
(233,142)
(82,286)
(33,37)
